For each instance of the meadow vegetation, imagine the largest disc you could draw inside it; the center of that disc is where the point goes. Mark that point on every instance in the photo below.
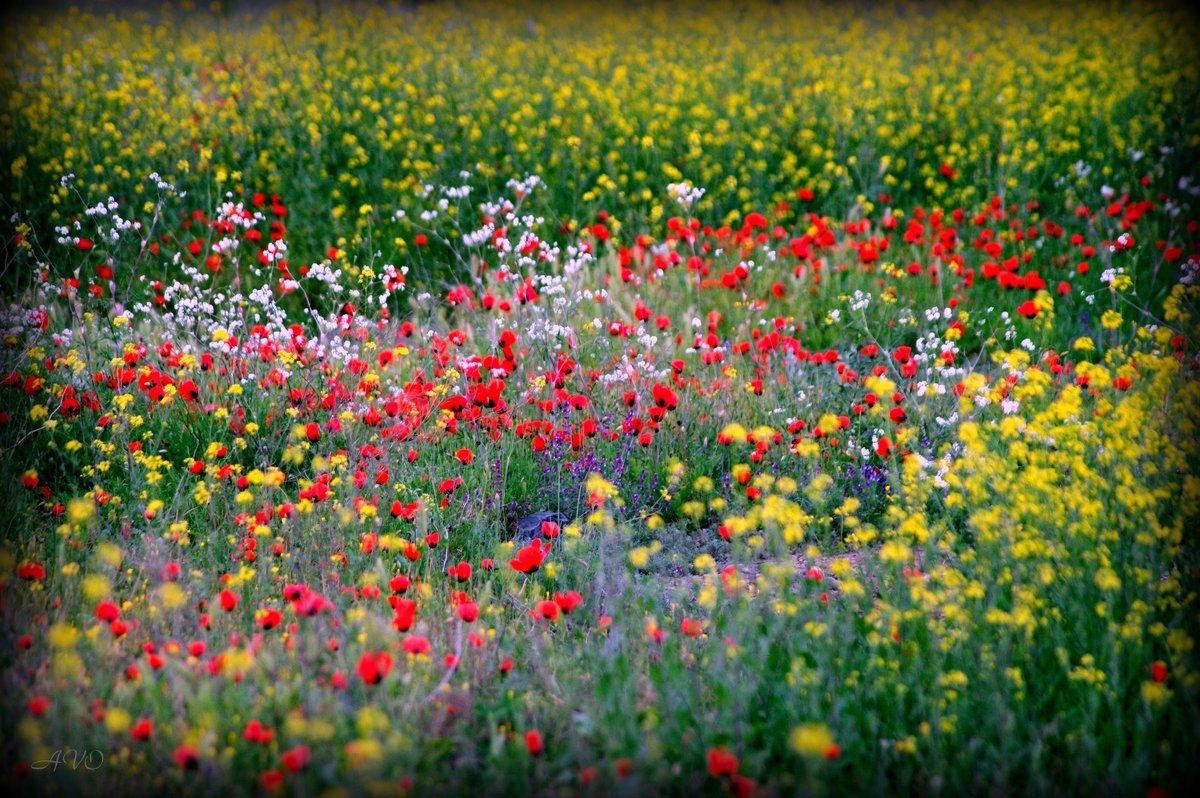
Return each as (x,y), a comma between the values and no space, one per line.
(855,345)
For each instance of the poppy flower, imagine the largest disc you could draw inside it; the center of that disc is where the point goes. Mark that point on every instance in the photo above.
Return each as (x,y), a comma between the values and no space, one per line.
(373,668)
(548,610)
(416,644)
(31,572)
(530,558)
(533,742)
(406,611)
(107,611)
(295,759)
(721,763)
(468,611)
(1028,309)
(568,601)
(142,729)
(256,733)
(187,757)
(269,619)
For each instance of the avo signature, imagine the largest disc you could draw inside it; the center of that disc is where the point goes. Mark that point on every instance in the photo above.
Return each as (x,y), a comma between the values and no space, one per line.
(71,758)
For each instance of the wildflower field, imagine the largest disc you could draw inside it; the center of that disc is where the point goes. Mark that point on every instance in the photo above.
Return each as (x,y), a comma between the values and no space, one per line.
(663,399)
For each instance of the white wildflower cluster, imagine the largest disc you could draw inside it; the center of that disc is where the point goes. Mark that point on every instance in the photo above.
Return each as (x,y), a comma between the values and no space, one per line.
(1123,242)
(577,260)
(236,213)
(322,273)
(226,244)
(1189,270)
(102,208)
(933,314)
(276,250)
(477,238)
(524,187)
(160,184)
(685,194)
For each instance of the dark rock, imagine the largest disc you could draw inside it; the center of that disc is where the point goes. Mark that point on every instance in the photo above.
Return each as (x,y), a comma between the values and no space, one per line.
(530,527)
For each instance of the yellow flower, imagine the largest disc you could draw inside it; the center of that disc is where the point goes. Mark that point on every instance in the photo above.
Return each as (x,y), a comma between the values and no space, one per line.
(894,551)
(80,511)
(63,635)
(95,587)
(1107,579)
(811,739)
(172,596)
(116,720)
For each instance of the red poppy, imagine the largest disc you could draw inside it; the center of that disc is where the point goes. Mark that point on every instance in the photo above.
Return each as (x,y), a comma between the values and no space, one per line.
(1158,671)
(530,558)
(107,611)
(373,668)
(721,763)
(295,759)
(269,618)
(415,644)
(31,572)
(142,729)
(406,611)
(533,741)
(548,609)
(568,601)
(256,733)
(187,757)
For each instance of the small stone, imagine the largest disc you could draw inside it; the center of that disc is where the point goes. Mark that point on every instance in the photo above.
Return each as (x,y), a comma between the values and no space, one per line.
(530,527)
